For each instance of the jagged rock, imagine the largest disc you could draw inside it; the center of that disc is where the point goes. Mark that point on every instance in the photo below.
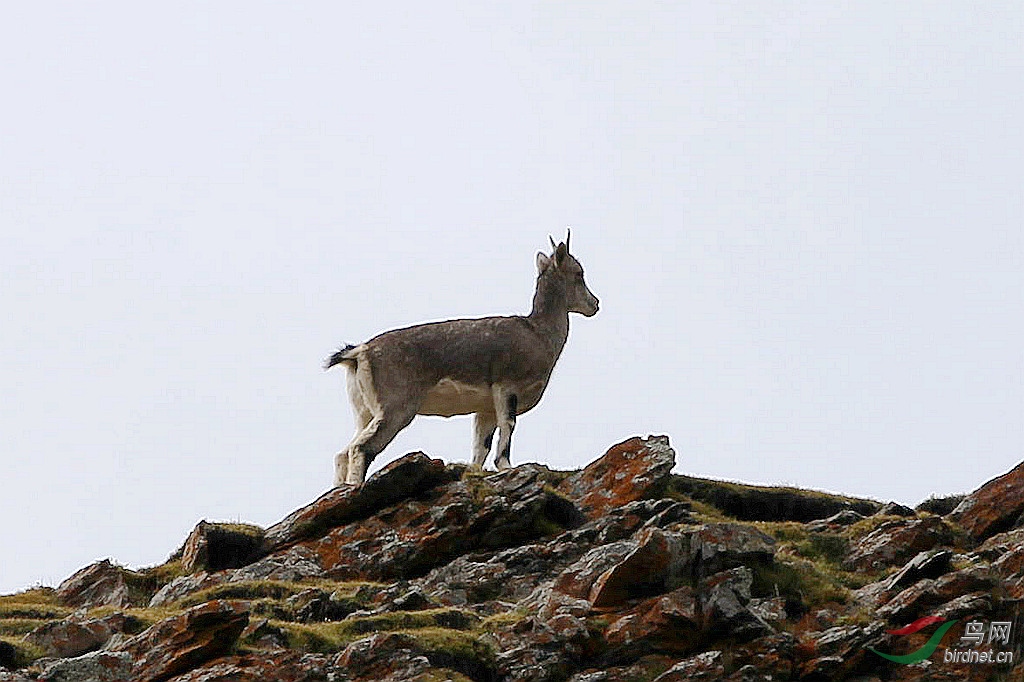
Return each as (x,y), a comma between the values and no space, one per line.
(846,517)
(930,564)
(656,565)
(974,604)
(217,546)
(395,656)
(292,564)
(896,509)
(715,547)
(578,579)
(98,584)
(705,666)
(839,650)
(184,585)
(940,505)
(895,542)
(925,595)
(773,656)
(547,644)
(668,624)
(410,475)
(646,668)
(723,602)
(98,666)
(8,676)
(180,643)
(315,605)
(476,577)
(511,574)
(408,540)
(823,669)
(993,508)
(279,666)
(1007,553)
(621,523)
(771,610)
(383,657)
(514,573)
(289,565)
(837,639)
(632,470)
(261,634)
(73,636)
(528,663)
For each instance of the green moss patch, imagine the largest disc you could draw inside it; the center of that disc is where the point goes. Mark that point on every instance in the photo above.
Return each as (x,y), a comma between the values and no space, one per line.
(449,638)
(333,636)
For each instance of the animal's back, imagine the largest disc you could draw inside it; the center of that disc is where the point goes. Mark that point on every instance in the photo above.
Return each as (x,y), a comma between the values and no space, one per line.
(456,362)
(475,351)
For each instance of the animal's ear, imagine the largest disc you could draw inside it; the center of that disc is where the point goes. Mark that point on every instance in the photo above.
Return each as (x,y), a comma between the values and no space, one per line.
(561,253)
(542,262)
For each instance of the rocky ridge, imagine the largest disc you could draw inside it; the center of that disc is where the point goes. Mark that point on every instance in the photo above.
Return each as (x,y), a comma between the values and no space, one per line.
(619,572)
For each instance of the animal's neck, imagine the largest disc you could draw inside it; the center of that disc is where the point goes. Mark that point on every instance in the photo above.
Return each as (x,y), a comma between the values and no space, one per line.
(551,309)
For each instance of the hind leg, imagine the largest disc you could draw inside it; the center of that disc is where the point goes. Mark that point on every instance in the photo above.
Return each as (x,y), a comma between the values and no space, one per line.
(363,417)
(381,430)
(341,460)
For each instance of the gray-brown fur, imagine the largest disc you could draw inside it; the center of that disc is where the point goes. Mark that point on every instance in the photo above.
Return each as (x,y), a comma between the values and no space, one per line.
(494,367)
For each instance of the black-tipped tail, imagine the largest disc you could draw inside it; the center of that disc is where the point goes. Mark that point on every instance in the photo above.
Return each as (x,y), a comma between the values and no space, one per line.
(342,356)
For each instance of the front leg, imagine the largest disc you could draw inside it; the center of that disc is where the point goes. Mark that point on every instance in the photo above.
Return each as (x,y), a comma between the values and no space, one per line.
(484,424)
(505,404)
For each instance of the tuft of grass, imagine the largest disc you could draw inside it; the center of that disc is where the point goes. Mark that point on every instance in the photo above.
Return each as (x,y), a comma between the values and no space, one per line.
(316,638)
(461,651)
(477,486)
(827,547)
(246,589)
(748,502)
(34,595)
(20,626)
(856,531)
(331,637)
(249,529)
(802,580)
(504,619)
(704,512)
(161,574)
(791,532)
(276,590)
(940,505)
(15,609)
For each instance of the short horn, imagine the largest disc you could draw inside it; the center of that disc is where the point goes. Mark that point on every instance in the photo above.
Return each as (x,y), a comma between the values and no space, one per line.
(553,244)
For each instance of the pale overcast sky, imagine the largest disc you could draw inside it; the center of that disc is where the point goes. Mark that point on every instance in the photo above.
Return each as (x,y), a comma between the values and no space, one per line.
(803,220)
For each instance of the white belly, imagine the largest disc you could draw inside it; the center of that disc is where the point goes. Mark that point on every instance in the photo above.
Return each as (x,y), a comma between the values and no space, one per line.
(448,398)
